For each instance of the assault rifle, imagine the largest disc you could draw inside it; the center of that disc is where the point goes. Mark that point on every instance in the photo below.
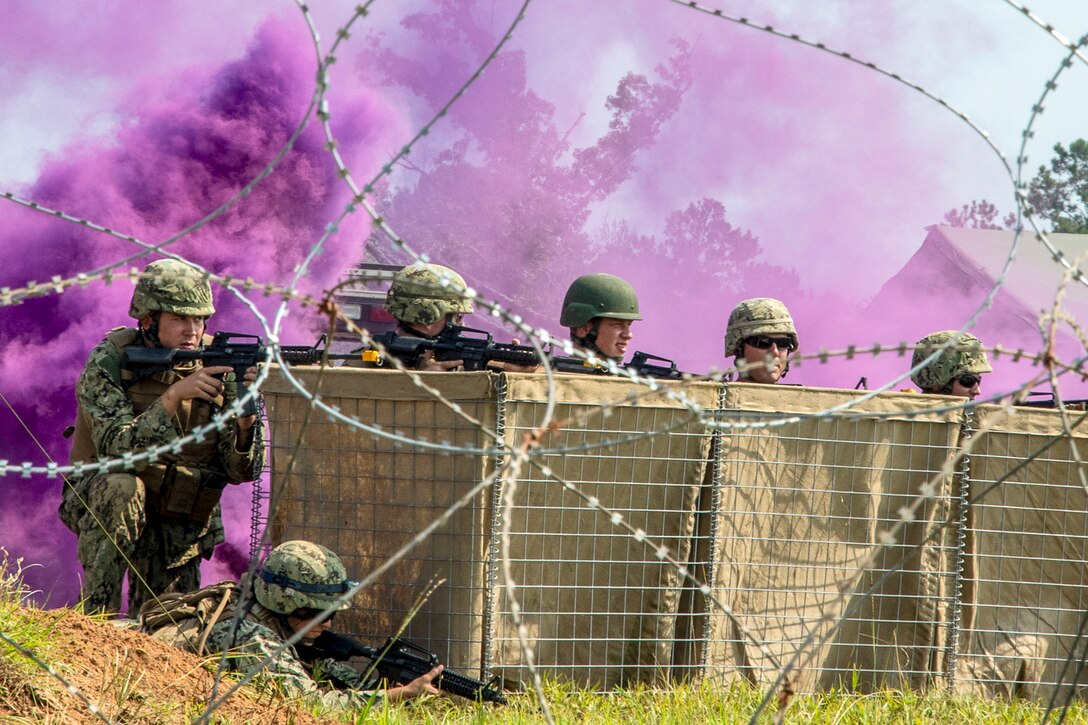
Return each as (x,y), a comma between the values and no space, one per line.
(238,350)
(401,662)
(643,363)
(475,347)
(1049,401)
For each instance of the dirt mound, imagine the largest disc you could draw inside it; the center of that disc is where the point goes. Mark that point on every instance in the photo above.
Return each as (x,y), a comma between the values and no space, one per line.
(129,676)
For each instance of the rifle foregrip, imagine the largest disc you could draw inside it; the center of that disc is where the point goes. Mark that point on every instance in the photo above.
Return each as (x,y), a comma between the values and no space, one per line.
(516,357)
(400,666)
(300,355)
(468,687)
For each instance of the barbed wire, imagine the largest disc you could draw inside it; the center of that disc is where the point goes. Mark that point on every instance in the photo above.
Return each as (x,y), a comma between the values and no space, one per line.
(531,452)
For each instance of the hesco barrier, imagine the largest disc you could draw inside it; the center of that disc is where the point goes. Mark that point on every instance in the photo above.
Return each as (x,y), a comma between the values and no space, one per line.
(798,513)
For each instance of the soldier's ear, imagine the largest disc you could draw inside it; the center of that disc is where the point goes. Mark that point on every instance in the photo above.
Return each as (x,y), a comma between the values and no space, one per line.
(145,322)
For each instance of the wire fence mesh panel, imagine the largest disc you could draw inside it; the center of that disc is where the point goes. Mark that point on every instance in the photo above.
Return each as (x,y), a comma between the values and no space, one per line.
(1026,584)
(824,569)
(365,497)
(736,531)
(599,603)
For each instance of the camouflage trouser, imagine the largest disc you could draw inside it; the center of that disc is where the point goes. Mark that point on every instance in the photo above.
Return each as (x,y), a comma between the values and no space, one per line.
(117,535)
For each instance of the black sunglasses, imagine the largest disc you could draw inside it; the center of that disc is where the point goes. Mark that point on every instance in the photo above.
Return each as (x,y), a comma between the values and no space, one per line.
(763,342)
(969,381)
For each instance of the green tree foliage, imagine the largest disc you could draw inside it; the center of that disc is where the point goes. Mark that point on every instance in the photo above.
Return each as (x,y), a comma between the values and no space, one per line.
(509,186)
(979,215)
(502,191)
(1059,194)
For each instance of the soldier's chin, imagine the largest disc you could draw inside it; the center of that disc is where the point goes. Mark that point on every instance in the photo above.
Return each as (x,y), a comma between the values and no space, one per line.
(766,377)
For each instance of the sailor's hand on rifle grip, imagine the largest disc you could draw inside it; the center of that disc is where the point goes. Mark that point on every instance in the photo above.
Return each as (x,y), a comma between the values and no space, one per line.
(427,362)
(246,422)
(201,385)
(422,685)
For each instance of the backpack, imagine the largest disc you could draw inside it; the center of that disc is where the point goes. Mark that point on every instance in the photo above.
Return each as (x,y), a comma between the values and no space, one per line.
(185,619)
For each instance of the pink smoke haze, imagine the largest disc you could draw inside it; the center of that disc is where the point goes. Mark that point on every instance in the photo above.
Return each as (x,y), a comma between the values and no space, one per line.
(703,161)
(172,162)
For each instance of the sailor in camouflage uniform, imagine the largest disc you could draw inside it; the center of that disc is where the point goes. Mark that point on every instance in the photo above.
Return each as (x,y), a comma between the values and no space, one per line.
(957,370)
(760,337)
(157,519)
(296,583)
(424,299)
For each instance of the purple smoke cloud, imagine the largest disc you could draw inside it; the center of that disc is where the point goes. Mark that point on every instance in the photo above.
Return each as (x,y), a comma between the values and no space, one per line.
(705,162)
(175,160)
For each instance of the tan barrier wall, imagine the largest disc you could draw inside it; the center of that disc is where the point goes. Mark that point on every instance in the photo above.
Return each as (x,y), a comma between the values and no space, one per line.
(365,497)
(1026,583)
(590,593)
(785,519)
(804,506)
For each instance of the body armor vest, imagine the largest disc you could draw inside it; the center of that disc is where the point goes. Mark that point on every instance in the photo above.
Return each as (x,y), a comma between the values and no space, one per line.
(187,484)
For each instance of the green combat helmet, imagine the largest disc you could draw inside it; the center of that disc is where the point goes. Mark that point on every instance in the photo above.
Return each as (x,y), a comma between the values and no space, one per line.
(301,575)
(963,358)
(168,285)
(757,316)
(425,293)
(598,295)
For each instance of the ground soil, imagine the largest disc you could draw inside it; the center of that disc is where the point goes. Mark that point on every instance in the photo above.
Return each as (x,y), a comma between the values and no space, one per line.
(129,676)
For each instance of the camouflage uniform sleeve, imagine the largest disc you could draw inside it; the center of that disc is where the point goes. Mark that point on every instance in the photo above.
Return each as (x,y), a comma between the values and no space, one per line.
(114,428)
(343,675)
(254,642)
(245,464)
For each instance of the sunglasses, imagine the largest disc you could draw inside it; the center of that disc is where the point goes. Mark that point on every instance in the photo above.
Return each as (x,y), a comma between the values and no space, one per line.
(763,342)
(969,381)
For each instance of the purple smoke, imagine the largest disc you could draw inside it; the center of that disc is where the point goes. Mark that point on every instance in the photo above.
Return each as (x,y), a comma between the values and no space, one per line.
(173,162)
(705,162)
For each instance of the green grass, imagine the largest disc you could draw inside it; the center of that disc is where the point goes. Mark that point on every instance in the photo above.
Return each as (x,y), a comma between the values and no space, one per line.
(703,704)
(15,621)
(697,704)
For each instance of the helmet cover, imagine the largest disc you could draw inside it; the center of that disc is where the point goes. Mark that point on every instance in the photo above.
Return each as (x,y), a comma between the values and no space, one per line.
(965,357)
(169,285)
(422,294)
(757,316)
(301,575)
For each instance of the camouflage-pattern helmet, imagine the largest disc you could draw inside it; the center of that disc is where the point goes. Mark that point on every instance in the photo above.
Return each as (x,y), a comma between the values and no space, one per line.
(168,285)
(425,293)
(301,575)
(598,295)
(757,316)
(964,358)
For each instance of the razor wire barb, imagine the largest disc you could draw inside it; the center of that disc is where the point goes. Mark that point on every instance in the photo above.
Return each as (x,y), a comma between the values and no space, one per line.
(531,449)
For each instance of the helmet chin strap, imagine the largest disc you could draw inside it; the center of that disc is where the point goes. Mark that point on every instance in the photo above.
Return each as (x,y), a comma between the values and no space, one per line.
(590,341)
(151,333)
